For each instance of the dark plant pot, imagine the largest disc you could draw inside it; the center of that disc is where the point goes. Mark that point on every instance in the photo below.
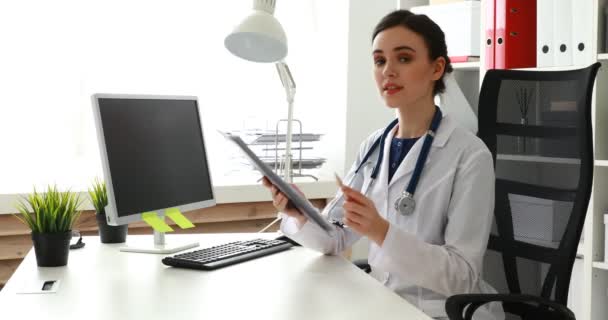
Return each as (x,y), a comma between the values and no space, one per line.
(110,234)
(52,248)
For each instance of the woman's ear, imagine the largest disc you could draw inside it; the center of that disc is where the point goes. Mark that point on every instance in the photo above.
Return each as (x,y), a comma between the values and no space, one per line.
(438,68)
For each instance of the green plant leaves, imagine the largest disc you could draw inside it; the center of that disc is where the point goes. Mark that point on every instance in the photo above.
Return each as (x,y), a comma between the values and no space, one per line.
(49,212)
(99,196)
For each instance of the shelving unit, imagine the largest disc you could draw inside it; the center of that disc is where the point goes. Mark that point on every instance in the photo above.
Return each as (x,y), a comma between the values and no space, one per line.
(518,157)
(595,267)
(601,163)
(589,298)
(601,265)
(466,66)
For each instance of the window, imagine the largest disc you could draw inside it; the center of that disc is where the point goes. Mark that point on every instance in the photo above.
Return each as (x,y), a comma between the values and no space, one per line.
(58,53)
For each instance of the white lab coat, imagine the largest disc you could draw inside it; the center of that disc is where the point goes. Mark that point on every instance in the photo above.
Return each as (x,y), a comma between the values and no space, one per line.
(438,250)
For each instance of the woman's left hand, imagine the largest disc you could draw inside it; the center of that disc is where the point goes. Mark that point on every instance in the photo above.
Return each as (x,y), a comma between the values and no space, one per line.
(361,215)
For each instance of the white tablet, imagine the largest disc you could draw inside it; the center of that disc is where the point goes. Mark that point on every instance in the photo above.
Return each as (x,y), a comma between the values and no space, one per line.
(296,199)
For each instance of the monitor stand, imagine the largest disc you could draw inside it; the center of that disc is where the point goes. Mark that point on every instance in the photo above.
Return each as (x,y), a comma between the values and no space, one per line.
(160,247)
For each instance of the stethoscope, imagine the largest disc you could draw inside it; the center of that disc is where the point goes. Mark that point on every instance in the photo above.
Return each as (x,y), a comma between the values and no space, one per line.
(405,204)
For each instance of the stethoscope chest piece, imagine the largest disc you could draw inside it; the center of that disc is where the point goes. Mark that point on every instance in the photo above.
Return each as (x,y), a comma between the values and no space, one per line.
(406,204)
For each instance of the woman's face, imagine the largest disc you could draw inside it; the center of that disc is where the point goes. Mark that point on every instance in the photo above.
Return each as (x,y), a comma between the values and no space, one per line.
(404,73)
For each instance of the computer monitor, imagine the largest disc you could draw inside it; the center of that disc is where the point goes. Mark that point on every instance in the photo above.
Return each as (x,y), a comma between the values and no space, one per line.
(153,157)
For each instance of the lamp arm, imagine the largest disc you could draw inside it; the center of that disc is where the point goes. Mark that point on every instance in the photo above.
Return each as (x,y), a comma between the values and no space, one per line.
(286,79)
(290,91)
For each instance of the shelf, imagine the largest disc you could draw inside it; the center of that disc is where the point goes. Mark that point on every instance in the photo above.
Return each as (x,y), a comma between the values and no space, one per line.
(552,68)
(600,265)
(602,56)
(580,249)
(466,66)
(601,163)
(530,158)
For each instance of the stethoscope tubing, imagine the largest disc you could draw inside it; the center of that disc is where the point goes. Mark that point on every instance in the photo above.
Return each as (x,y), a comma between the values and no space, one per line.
(420,162)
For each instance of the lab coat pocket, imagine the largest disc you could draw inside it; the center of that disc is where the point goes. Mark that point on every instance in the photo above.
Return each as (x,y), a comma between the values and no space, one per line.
(433,205)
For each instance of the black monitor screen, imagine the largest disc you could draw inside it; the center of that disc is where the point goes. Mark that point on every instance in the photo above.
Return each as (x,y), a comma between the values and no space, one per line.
(156,153)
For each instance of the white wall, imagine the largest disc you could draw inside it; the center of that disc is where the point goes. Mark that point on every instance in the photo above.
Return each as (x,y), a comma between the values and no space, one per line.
(365,110)
(406,4)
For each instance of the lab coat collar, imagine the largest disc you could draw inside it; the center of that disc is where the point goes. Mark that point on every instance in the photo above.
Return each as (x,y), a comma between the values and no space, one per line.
(444,132)
(446,128)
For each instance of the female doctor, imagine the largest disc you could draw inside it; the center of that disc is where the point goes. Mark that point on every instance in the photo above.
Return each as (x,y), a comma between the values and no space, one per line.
(421,189)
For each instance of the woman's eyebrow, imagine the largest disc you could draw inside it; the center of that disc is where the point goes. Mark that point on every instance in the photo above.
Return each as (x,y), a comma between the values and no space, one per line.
(404,48)
(399,48)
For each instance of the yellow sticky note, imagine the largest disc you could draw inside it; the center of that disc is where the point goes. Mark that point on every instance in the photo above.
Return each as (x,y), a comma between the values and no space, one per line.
(179,218)
(155,222)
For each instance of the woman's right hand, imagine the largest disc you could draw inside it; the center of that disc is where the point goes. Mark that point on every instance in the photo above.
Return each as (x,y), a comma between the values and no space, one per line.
(282,204)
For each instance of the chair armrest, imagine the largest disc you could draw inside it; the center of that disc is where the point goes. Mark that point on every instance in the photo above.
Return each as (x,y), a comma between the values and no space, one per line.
(462,306)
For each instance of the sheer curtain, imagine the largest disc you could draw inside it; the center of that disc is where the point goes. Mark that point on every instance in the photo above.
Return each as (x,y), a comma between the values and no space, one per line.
(58,53)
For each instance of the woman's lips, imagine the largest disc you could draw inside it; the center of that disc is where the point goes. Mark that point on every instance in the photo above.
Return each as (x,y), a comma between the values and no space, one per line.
(392,90)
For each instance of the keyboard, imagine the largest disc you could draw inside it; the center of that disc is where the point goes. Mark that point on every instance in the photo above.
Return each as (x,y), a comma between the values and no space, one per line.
(226,254)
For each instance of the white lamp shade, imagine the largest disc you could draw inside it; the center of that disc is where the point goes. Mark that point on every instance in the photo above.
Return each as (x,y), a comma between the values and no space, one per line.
(259,38)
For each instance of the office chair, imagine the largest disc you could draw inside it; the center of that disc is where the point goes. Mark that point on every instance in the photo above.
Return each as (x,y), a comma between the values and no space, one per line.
(537,124)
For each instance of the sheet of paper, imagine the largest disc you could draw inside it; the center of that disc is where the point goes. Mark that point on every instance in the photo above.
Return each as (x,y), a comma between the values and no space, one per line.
(152,219)
(177,217)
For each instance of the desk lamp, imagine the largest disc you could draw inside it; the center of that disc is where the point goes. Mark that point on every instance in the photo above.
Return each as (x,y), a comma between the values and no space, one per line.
(261,38)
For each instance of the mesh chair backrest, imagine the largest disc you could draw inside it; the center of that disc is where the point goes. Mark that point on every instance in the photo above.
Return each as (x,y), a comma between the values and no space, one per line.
(537,124)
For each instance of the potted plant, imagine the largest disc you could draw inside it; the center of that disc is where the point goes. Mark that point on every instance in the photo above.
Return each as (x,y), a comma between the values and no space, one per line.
(50,216)
(107,233)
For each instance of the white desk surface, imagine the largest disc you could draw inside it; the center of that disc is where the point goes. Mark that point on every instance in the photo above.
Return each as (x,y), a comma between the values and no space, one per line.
(101,282)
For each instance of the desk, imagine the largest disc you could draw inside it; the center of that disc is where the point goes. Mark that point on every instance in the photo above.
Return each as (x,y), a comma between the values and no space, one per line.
(100,282)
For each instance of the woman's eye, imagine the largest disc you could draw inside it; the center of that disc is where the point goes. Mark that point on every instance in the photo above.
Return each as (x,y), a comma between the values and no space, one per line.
(404,59)
(379,61)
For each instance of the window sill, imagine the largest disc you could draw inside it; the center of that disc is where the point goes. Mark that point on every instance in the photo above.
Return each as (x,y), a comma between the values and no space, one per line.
(225,192)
